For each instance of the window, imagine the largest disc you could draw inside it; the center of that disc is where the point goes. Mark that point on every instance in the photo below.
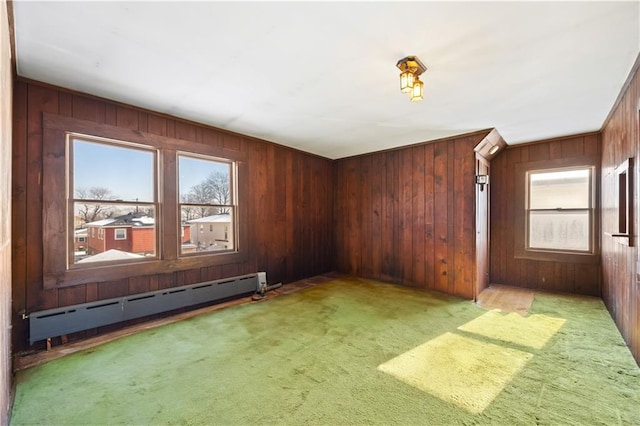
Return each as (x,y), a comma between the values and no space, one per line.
(560,210)
(102,194)
(555,215)
(127,186)
(207,199)
(82,239)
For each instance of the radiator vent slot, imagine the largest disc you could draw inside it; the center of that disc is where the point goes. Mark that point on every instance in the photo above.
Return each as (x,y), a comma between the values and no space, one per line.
(70,319)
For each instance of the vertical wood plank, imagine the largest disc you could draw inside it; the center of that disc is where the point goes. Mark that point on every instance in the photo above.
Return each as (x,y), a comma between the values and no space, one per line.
(364,187)
(429,217)
(441,215)
(40,100)
(19,161)
(389,228)
(419,221)
(139,284)
(378,191)
(405,217)
(88,109)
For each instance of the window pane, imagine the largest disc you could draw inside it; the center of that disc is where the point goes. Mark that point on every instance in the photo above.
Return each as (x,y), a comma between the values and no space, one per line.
(566,189)
(559,230)
(119,232)
(208,233)
(108,172)
(204,182)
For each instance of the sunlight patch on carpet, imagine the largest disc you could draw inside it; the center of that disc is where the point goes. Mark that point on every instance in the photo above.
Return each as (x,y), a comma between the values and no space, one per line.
(459,370)
(533,331)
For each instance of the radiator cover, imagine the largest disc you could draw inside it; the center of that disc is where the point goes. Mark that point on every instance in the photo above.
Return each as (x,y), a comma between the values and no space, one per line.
(69,319)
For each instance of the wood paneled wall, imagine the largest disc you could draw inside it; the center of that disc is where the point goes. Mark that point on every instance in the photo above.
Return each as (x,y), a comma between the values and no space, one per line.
(580,278)
(408,215)
(289,203)
(621,282)
(6,89)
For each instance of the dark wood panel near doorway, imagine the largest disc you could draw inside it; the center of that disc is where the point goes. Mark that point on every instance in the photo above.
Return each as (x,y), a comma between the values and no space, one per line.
(408,215)
(505,269)
(620,261)
(289,203)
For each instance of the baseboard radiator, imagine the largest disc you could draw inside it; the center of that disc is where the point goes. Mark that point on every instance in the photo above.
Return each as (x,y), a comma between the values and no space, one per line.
(70,319)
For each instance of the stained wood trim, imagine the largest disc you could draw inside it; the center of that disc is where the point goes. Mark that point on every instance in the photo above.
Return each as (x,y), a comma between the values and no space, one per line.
(198,127)
(624,203)
(552,140)
(623,92)
(484,132)
(12,37)
(54,122)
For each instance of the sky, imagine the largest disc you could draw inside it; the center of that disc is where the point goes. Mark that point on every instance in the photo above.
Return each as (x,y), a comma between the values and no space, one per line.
(128,173)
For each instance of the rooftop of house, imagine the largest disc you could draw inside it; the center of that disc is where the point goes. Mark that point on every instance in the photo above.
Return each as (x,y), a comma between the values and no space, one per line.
(130,219)
(216,218)
(110,255)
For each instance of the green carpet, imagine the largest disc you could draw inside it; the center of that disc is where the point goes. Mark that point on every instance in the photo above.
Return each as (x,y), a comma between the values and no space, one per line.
(350,352)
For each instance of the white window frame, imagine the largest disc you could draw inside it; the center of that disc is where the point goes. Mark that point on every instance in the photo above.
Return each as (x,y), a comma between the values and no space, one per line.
(115,234)
(520,215)
(231,206)
(590,209)
(71,137)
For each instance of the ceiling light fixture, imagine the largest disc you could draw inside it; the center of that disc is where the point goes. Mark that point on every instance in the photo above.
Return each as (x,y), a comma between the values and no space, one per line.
(410,70)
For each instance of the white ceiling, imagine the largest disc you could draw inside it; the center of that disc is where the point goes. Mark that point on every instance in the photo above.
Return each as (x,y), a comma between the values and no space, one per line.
(321,76)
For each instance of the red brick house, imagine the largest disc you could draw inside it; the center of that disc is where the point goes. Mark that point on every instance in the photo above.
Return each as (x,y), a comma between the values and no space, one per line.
(131,233)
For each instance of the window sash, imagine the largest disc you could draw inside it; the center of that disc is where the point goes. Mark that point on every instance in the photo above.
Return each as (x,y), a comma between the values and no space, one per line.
(196,247)
(209,209)
(533,243)
(72,201)
(100,234)
(538,243)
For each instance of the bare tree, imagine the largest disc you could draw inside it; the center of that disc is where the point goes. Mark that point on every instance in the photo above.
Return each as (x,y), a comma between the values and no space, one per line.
(201,194)
(188,212)
(218,184)
(213,190)
(95,210)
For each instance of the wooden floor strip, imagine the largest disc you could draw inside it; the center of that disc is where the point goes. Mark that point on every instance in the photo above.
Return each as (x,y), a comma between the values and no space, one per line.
(507,299)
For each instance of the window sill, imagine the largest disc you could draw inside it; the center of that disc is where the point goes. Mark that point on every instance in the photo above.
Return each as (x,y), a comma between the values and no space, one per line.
(622,239)
(557,256)
(116,272)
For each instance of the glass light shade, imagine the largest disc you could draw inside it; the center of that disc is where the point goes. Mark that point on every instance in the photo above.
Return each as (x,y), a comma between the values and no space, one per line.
(417,90)
(406,81)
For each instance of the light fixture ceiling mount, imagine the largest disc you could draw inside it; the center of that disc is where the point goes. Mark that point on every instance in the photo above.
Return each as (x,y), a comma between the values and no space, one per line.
(410,70)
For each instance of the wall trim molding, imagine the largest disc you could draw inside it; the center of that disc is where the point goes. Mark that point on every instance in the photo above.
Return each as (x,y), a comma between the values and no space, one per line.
(623,92)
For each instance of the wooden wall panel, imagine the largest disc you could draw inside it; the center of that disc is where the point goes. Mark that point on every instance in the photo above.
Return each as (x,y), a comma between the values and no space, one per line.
(6,91)
(290,209)
(544,275)
(408,215)
(620,263)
